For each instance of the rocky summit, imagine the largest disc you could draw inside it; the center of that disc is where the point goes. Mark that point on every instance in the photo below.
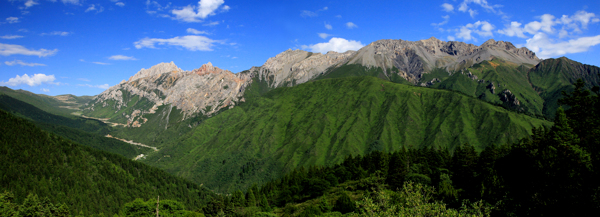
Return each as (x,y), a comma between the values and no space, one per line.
(201,91)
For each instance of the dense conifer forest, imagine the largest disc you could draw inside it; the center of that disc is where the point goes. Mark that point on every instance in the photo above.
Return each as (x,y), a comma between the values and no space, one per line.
(36,164)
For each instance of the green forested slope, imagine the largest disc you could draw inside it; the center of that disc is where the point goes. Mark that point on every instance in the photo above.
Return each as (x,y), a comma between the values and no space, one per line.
(321,122)
(552,76)
(47,103)
(85,179)
(80,130)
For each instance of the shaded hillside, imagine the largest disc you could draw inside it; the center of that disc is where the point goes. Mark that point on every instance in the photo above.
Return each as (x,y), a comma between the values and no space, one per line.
(80,130)
(552,76)
(85,179)
(322,122)
(58,105)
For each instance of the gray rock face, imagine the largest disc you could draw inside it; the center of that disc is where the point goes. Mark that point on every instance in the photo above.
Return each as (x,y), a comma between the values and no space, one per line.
(297,66)
(413,58)
(202,91)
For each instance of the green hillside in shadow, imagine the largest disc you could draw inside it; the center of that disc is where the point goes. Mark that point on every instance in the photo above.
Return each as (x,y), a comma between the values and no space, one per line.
(322,122)
(88,181)
(87,132)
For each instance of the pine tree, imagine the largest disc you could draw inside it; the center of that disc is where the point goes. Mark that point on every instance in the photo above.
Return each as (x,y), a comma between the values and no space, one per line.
(251,201)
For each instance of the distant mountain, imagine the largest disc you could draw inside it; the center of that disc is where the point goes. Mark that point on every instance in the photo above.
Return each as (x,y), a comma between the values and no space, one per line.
(88,181)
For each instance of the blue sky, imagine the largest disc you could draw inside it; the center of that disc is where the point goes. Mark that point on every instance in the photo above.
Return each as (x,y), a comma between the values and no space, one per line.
(82,47)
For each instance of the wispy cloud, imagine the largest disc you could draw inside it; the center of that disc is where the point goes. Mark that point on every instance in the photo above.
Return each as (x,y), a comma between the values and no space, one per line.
(101,86)
(84,79)
(35,80)
(12,20)
(447,7)
(351,25)
(324,35)
(121,57)
(19,62)
(120,4)
(196,32)
(307,13)
(190,42)
(13,49)
(45,90)
(214,23)
(59,33)
(101,63)
(11,36)
(328,26)
(93,7)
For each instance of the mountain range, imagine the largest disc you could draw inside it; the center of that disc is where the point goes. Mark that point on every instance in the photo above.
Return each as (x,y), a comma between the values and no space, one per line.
(229,130)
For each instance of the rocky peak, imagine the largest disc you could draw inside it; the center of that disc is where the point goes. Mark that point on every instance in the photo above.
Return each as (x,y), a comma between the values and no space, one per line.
(208,68)
(297,66)
(155,70)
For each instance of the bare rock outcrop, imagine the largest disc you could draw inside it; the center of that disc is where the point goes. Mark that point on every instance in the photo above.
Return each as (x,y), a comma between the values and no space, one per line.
(204,91)
(413,58)
(297,66)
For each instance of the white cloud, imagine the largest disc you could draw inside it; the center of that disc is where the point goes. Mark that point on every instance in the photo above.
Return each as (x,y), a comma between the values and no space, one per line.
(101,86)
(514,29)
(446,19)
(60,33)
(75,2)
(338,16)
(544,47)
(335,44)
(101,63)
(447,7)
(190,42)
(12,20)
(30,3)
(451,38)
(328,26)
(45,90)
(547,21)
(12,49)
(19,62)
(472,13)
(324,35)
(547,42)
(121,57)
(306,13)
(204,9)
(481,28)
(196,32)
(225,8)
(351,25)
(211,23)
(464,6)
(11,36)
(92,7)
(120,4)
(34,80)
(84,79)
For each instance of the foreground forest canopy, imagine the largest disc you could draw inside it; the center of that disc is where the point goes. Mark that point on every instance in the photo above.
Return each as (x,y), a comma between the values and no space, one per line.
(540,175)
